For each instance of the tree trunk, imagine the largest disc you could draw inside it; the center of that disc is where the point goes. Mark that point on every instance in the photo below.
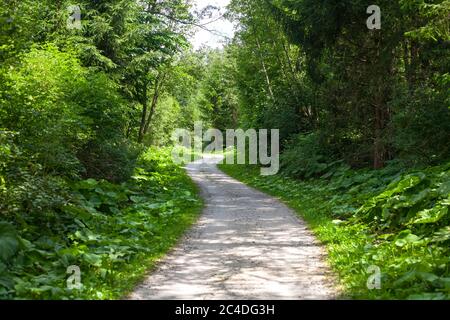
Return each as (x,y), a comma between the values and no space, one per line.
(379,152)
(266,74)
(159,83)
(152,111)
(143,116)
(380,104)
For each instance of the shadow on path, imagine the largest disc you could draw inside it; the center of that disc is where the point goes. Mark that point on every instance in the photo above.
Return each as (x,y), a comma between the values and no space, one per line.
(246,245)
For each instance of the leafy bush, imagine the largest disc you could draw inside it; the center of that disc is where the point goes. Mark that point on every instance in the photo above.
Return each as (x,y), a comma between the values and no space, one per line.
(422,125)
(63,113)
(166,120)
(418,200)
(107,154)
(113,232)
(39,105)
(306,158)
(61,123)
(110,160)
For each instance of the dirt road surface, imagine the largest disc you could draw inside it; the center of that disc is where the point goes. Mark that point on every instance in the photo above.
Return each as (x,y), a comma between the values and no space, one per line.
(246,245)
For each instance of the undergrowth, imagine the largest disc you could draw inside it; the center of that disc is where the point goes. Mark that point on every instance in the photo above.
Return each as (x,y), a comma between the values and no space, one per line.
(113,233)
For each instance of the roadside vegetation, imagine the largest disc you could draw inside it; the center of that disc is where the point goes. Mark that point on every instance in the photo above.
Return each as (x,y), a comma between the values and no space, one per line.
(85,115)
(113,232)
(394,219)
(364,121)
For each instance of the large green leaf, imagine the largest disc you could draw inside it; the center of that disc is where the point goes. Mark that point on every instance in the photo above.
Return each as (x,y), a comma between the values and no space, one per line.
(431,215)
(406,237)
(9,241)
(442,235)
(93,259)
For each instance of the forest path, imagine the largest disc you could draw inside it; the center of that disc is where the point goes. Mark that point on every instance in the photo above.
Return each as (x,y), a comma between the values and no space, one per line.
(246,245)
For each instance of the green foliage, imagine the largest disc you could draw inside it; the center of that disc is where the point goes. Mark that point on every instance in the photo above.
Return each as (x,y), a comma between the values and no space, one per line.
(267,72)
(345,96)
(313,66)
(217,96)
(72,188)
(9,241)
(396,221)
(113,232)
(305,158)
(412,201)
(73,104)
(63,113)
(422,124)
(62,122)
(39,105)
(167,119)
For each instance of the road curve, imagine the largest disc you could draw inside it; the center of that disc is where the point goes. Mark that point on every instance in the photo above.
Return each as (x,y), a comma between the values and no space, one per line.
(246,245)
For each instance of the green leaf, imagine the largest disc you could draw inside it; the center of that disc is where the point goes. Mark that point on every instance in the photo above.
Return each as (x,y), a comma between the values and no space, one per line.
(2,267)
(9,241)
(93,259)
(138,199)
(427,296)
(426,276)
(89,184)
(406,237)
(442,235)
(431,215)
(405,278)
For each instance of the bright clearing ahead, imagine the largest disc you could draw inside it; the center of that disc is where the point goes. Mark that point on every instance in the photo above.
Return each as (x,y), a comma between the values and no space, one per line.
(219,29)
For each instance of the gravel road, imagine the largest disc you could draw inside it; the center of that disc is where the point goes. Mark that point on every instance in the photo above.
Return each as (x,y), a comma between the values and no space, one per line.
(246,245)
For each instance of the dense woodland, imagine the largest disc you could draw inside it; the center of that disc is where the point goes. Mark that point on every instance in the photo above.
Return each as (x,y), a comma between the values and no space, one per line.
(87,114)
